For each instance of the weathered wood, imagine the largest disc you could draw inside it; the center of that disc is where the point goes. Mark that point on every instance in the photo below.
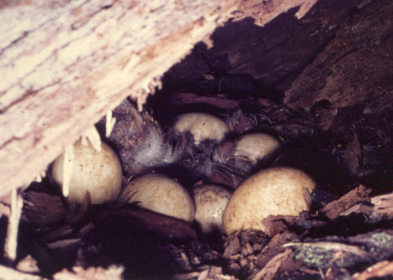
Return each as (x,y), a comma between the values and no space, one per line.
(65,63)
(355,67)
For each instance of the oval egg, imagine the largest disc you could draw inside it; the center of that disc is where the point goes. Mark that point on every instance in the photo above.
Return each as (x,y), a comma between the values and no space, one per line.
(256,146)
(210,202)
(98,173)
(162,195)
(202,126)
(273,191)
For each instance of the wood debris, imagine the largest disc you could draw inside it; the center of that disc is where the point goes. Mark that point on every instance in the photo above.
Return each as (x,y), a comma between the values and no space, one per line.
(68,164)
(357,195)
(92,273)
(358,201)
(276,224)
(11,240)
(28,264)
(12,274)
(214,273)
(109,124)
(381,269)
(383,205)
(93,137)
(272,266)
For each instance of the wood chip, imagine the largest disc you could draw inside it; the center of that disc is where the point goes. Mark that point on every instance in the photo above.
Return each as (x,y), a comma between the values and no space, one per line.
(11,274)
(62,243)
(357,195)
(187,265)
(383,205)
(92,273)
(381,269)
(271,268)
(276,224)
(214,273)
(233,248)
(187,276)
(28,264)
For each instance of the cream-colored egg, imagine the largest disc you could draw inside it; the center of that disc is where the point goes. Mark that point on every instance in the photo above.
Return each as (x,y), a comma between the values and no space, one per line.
(98,173)
(274,191)
(201,126)
(210,202)
(160,194)
(256,146)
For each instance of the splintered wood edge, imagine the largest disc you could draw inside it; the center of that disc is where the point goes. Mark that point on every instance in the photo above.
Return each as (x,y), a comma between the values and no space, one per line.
(66,64)
(9,273)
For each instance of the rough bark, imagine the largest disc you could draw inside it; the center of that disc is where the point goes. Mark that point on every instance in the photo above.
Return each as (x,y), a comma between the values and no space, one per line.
(355,67)
(65,63)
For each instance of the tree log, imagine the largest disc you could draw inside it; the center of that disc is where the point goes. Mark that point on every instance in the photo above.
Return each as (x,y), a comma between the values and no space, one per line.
(355,67)
(64,64)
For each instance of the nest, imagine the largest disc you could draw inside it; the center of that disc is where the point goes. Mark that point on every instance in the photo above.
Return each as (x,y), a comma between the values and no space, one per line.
(343,142)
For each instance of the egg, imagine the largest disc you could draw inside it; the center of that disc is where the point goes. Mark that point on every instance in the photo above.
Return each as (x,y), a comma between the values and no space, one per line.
(202,126)
(210,202)
(256,146)
(160,194)
(273,191)
(93,172)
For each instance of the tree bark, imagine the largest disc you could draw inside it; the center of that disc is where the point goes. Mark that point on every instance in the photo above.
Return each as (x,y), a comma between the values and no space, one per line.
(64,64)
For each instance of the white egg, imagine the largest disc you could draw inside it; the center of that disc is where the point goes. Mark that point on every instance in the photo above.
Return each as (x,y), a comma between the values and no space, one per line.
(98,173)
(256,146)
(210,202)
(201,126)
(273,191)
(162,195)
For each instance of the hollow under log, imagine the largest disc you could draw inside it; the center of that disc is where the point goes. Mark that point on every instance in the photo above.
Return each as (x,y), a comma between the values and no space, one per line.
(64,64)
